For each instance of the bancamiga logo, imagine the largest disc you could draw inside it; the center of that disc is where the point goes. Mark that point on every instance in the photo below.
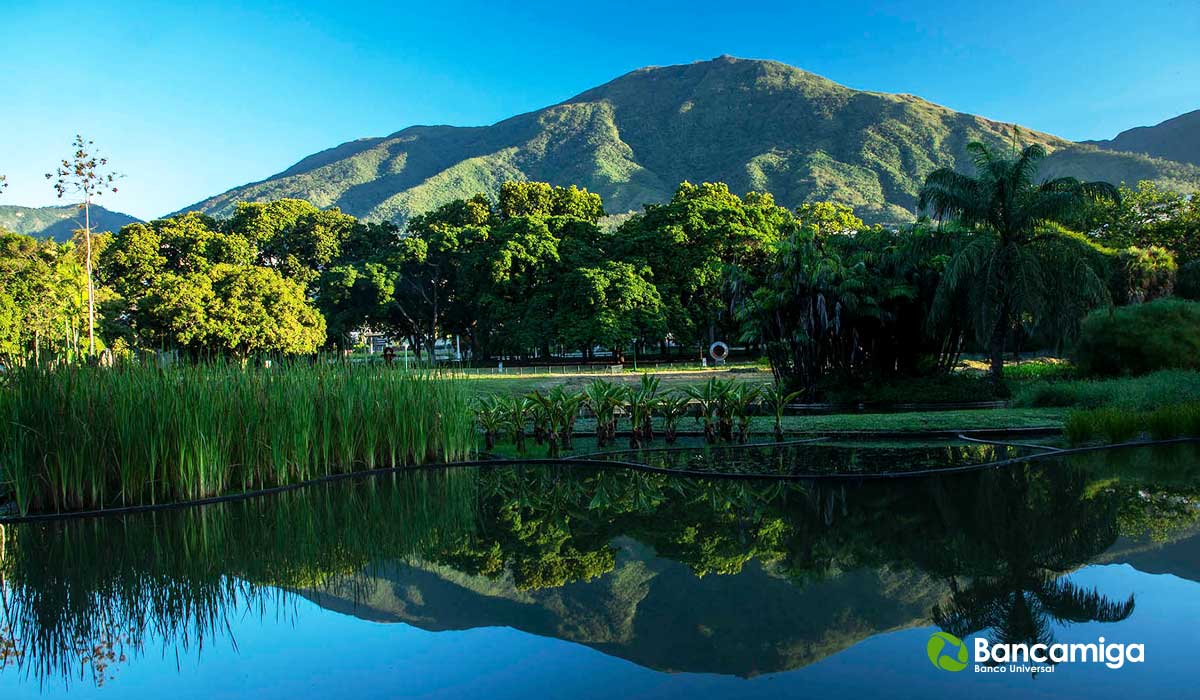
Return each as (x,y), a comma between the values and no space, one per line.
(949,653)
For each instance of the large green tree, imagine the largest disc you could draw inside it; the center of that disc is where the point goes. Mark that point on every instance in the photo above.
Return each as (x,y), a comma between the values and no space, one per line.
(240,311)
(689,245)
(207,287)
(1005,212)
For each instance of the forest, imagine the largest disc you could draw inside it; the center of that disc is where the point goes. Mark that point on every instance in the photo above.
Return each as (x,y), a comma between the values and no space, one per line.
(542,271)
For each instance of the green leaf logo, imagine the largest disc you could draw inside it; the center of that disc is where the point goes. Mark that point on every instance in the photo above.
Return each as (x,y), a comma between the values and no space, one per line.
(947,652)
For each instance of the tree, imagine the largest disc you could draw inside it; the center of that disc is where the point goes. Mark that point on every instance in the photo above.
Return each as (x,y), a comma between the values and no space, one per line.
(293,236)
(510,279)
(85,174)
(354,295)
(1004,212)
(690,243)
(1148,216)
(203,285)
(242,311)
(610,303)
(430,281)
(47,286)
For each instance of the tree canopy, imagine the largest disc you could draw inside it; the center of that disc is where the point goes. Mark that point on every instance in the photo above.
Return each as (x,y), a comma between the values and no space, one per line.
(541,271)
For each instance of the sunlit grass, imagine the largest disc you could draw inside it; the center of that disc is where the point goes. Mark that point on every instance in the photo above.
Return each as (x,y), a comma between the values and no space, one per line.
(81,438)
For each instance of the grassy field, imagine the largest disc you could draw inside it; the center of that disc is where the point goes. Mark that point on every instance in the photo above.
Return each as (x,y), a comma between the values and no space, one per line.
(524,383)
(914,421)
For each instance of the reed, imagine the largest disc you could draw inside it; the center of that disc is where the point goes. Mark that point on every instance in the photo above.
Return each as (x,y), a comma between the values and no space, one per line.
(1114,425)
(79,438)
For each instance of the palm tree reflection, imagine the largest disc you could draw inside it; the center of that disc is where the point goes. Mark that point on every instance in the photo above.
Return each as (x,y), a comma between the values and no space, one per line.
(1025,529)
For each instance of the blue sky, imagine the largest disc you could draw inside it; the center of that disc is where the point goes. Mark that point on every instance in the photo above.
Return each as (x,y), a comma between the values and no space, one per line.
(191,98)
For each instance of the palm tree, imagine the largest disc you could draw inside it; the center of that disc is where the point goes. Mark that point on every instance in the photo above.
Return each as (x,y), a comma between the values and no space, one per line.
(1007,214)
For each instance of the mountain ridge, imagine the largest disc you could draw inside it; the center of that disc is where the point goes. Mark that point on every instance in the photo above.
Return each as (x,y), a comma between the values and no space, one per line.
(755,124)
(1177,138)
(59,221)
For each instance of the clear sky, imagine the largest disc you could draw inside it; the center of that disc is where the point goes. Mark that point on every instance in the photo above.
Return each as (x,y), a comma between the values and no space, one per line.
(191,98)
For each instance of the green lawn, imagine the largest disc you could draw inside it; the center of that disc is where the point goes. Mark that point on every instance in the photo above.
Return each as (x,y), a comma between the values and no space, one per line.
(484,384)
(981,419)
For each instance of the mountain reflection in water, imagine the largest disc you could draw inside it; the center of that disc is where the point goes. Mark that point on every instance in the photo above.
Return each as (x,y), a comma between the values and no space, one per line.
(728,577)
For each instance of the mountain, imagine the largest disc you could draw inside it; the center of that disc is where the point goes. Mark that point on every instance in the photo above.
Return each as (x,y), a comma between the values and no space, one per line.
(1175,139)
(61,222)
(756,125)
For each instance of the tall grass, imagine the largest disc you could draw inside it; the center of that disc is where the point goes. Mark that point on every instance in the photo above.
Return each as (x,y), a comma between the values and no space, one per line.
(1114,424)
(1134,393)
(80,438)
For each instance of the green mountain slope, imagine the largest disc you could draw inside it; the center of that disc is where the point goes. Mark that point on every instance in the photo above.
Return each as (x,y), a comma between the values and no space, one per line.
(59,223)
(1175,139)
(757,125)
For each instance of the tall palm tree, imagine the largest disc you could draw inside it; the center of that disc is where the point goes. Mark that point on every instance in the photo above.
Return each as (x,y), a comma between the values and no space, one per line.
(1006,213)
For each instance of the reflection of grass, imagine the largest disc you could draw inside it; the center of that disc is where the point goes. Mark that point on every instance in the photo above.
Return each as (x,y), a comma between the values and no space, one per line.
(71,590)
(800,426)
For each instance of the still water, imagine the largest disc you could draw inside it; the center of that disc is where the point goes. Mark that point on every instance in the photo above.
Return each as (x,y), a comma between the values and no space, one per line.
(555,582)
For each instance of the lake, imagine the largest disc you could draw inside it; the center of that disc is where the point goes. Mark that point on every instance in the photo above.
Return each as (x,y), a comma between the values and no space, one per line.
(571,581)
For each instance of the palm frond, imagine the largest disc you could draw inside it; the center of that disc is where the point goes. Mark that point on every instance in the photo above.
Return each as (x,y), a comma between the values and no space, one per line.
(1066,602)
(947,192)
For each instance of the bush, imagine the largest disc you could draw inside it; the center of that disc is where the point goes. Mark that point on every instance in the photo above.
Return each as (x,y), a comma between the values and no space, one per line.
(1143,274)
(1138,339)
(1039,369)
(951,388)
(1187,283)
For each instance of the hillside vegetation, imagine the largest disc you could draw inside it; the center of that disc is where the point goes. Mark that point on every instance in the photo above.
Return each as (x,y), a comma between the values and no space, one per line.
(755,125)
(60,222)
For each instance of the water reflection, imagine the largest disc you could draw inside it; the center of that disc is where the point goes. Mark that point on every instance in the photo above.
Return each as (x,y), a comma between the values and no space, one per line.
(675,574)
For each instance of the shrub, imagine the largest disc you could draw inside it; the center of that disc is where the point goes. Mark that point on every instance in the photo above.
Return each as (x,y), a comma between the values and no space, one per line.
(950,388)
(1039,369)
(1143,274)
(1139,339)
(1187,281)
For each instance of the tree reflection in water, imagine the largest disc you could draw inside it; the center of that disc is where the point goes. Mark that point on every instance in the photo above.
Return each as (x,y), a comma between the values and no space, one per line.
(1024,529)
(81,596)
